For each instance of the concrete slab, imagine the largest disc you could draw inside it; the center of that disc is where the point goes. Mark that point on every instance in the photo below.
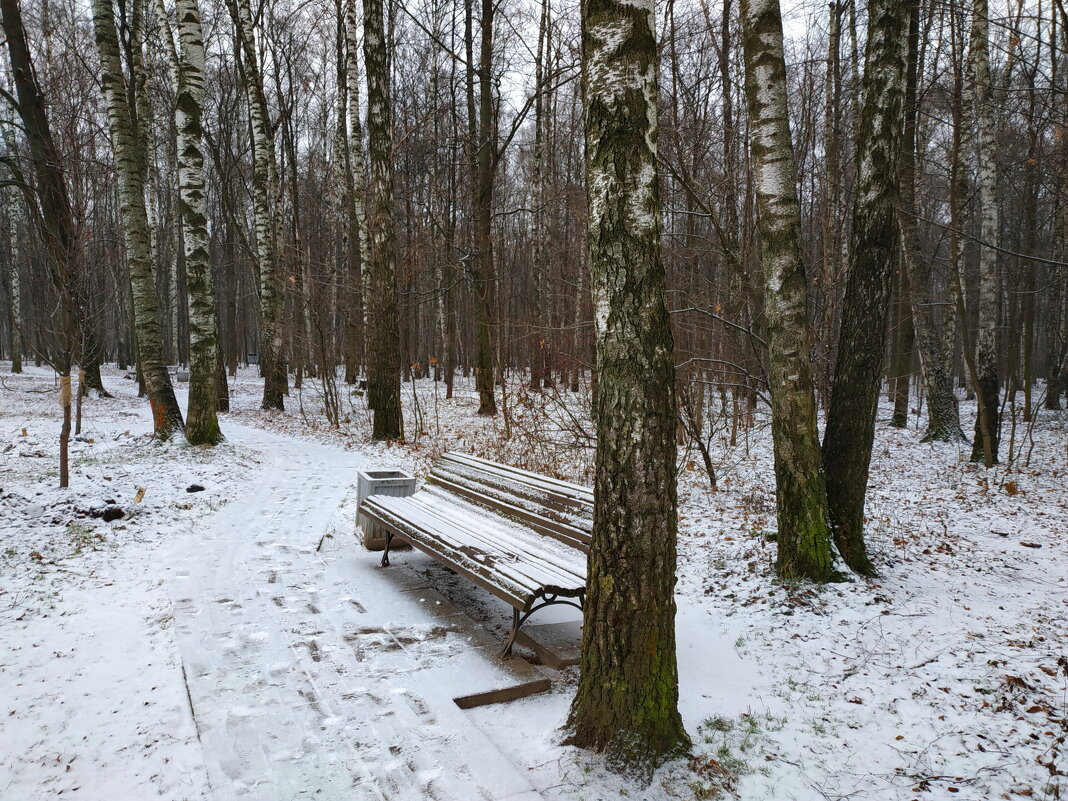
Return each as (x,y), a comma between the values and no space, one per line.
(557,645)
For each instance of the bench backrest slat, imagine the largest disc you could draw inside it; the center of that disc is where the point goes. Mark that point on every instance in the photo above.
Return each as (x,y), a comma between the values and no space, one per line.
(553,508)
(565,488)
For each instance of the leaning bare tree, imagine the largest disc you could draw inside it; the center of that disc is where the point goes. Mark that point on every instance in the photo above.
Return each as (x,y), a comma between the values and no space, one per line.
(49,200)
(873,253)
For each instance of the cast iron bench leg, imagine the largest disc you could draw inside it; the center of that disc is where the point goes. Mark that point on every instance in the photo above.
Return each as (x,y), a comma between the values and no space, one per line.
(385,553)
(519,619)
(516,623)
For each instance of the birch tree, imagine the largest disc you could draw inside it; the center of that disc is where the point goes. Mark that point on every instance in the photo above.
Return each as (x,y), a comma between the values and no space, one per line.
(874,250)
(538,267)
(383,384)
(987,421)
(264,192)
(357,228)
(627,699)
(804,536)
(124,126)
(202,424)
(936,351)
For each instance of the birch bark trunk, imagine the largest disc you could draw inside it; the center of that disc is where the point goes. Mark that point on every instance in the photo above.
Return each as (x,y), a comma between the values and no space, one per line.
(264,191)
(125,127)
(627,699)
(805,550)
(11,225)
(358,249)
(943,419)
(539,265)
(485,274)
(202,424)
(987,422)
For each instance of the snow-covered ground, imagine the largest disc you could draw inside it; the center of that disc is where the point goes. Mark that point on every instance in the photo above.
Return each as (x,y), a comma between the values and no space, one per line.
(236,641)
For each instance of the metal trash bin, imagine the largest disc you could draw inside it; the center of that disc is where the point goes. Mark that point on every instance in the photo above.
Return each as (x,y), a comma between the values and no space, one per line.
(395,483)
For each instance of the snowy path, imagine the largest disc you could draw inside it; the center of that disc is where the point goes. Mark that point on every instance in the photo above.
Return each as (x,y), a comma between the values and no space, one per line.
(311,673)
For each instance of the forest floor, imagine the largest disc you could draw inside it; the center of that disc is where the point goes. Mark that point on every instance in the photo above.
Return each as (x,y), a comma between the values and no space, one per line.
(237,641)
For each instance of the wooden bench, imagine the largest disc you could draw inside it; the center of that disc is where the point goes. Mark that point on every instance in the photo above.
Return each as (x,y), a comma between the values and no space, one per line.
(519,535)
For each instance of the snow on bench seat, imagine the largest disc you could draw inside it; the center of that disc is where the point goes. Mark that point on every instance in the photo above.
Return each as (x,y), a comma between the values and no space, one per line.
(520,536)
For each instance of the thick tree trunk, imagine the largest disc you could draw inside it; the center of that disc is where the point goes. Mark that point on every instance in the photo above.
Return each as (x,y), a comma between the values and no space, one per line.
(384,376)
(874,248)
(90,349)
(129,169)
(804,538)
(264,190)
(627,699)
(987,422)
(202,425)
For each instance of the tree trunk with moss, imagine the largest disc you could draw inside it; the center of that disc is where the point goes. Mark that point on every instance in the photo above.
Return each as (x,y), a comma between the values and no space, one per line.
(805,550)
(627,699)
(383,386)
(202,424)
(264,190)
(987,422)
(874,249)
(124,125)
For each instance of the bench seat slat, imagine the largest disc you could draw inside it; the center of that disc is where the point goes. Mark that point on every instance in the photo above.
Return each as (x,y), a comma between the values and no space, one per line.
(479,574)
(513,549)
(522,572)
(552,562)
